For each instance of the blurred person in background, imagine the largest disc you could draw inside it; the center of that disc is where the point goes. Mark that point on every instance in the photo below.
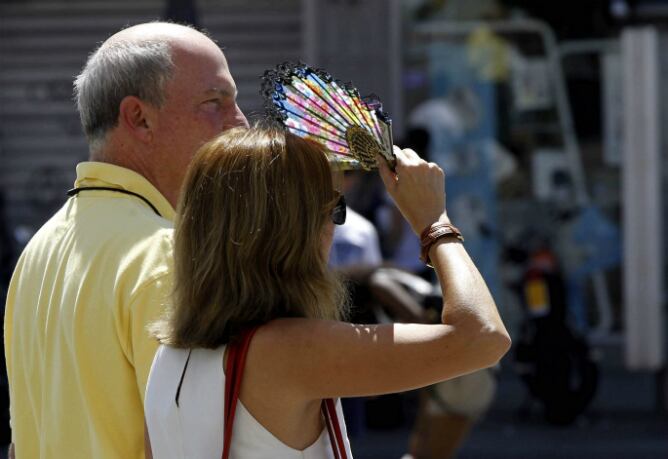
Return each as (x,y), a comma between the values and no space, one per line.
(399,290)
(254,229)
(356,255)
(399,243)
(92,278)
(447,411)
(374,295)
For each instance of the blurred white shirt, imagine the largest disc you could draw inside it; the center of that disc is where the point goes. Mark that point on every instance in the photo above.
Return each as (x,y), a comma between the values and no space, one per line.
(355,243)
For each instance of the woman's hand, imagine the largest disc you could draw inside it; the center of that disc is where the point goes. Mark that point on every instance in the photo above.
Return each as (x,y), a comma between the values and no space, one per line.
(417,187)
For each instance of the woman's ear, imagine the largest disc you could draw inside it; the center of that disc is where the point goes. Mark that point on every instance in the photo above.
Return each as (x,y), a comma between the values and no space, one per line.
(137,118)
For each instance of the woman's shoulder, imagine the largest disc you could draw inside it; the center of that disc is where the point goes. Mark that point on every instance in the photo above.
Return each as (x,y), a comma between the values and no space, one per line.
(288,329)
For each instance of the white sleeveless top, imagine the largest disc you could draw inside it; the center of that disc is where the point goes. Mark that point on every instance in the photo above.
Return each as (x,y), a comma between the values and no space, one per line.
(194,427)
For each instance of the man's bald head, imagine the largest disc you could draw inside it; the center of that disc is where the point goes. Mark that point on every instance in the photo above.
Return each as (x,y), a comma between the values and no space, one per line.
(151,95)
(174,34)
(136,61)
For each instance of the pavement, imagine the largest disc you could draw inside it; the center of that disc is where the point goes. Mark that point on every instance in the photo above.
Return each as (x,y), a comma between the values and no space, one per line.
(622,422)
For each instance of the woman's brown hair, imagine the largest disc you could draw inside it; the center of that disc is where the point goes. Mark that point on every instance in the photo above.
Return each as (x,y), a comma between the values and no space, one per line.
(248,238)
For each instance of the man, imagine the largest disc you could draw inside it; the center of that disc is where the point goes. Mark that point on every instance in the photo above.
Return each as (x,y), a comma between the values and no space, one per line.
(99,271)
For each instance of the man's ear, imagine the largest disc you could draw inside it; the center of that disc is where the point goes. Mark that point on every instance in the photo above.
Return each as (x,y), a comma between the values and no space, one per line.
(137,118)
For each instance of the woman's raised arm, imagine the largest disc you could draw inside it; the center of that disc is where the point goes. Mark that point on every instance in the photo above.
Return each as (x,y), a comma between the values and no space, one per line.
(316,359)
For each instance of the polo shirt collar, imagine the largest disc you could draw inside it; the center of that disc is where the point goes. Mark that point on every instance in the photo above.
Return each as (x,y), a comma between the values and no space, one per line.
(109,175)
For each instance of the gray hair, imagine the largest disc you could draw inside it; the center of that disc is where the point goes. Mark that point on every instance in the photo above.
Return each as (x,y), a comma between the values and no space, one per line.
(115,71)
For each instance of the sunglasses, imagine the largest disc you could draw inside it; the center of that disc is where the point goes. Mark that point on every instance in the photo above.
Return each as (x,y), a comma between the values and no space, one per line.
(339,211)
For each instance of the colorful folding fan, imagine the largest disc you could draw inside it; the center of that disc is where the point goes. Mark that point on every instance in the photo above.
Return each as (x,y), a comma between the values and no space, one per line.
(311,104)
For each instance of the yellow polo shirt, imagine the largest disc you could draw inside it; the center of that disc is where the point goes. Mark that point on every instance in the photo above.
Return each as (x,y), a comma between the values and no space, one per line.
(83,291)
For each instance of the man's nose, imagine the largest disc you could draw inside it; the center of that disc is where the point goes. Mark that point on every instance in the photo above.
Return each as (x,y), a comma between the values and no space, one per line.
(239,118)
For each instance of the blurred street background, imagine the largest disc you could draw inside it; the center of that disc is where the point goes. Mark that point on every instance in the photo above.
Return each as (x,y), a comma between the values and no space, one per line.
(551,122)
(622,422)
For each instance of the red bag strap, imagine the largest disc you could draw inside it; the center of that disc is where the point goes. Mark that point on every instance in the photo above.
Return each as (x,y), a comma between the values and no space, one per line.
(334,429)
(234,370)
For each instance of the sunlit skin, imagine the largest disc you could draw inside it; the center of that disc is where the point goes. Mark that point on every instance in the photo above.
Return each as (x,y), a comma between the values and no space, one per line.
(294,363)
(312,359)
(200,102)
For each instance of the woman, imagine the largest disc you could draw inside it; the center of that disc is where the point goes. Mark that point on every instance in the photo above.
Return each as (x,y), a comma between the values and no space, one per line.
(254,228)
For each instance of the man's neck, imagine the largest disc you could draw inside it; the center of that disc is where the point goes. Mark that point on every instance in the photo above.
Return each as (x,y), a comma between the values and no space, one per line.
(137,162)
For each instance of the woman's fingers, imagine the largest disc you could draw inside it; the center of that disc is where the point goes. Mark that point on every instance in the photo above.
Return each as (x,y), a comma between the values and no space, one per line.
(411,156)
(389,178)
(417,188)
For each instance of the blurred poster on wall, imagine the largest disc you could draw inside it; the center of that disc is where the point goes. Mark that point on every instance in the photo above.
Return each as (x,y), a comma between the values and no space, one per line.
(550,174)
(461,119)
(530,83)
